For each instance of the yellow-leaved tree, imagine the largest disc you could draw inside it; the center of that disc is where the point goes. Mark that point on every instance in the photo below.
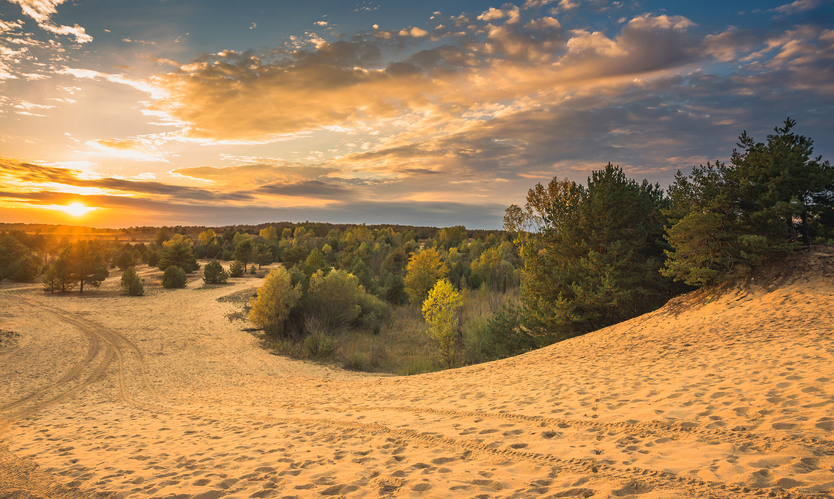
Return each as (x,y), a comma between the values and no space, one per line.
(424,270)
(441,310)
(276,298)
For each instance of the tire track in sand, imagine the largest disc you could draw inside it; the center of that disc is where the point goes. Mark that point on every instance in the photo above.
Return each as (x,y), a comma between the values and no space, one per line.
(116,346)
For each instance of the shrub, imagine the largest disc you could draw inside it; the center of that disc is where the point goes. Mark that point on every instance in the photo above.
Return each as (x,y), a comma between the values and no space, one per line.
(131,283)
(214,273)
(276,299)
(252,270)
(499,336)
(333,299)
(318,345)
(236,269)
(355,362)
(174,277)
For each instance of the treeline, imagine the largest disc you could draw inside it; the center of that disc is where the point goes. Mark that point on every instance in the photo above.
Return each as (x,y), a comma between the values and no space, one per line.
(597,254)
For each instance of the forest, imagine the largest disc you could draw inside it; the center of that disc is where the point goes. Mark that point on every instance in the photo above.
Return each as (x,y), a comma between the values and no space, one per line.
(575,258)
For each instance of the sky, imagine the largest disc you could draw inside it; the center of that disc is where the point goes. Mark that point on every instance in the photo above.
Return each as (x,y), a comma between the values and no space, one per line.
(208,112)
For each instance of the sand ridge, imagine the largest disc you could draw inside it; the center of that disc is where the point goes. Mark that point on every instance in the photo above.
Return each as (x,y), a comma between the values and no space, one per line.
(161,396)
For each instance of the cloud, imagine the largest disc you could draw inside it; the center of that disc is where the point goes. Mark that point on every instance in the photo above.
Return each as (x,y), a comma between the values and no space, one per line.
(797,6)
(42,10)
(19,173)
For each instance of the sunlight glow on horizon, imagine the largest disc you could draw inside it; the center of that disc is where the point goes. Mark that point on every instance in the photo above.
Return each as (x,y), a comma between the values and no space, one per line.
(75,209)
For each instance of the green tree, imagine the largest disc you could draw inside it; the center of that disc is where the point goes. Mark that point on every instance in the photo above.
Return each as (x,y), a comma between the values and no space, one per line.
(131,283)
(125,260)
(178,252)
(11,250)
(442,311)
(275,300)
(779,182)
(424,270)
(24,269)
(213,273)
(58,277)
(237,269)
(161,236)
(86,264)
(591,253)
(244,251)
(174,277)
(315,261)
(725,219)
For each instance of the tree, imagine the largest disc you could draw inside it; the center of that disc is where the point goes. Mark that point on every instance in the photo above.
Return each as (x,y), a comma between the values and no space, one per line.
(244,251)
(263,254)
(315,261)
(424,270)
(86,263)
(207,237)
(779,182)
(131,283)
(11,250)
(442,311)
(178,252)
(725,219)
(237,269)
(174,277)
(269,233)
(274,302)
(125,260)
(24,269)
(58,277)
(161,236)
(214,273)
(591,253)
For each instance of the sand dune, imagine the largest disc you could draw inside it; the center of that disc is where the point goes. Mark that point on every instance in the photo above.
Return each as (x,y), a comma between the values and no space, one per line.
(722,395)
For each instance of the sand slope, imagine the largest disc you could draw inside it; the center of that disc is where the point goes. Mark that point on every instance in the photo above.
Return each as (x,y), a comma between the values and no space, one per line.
(722,395)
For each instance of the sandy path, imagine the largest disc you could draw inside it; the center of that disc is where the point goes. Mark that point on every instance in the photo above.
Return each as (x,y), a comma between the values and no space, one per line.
(160,396)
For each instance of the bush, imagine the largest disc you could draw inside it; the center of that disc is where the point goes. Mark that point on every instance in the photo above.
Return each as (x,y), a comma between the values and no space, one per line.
(333,300)
(275,301)
(131,283)
(355,362)
(252,270)
(236,269)
(214,273)
(499,336)
(319,346)
(174,277)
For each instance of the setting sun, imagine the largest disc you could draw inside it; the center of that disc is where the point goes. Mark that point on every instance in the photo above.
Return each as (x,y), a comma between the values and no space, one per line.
(76,209)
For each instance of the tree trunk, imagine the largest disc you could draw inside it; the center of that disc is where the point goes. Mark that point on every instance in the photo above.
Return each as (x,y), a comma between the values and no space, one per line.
(791,228)
(806,238)
(82,287)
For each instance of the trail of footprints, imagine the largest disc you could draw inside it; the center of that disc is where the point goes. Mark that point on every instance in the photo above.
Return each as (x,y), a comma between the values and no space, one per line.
(638,479)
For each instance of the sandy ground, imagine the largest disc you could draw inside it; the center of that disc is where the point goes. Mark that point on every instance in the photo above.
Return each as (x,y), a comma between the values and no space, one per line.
(727,395)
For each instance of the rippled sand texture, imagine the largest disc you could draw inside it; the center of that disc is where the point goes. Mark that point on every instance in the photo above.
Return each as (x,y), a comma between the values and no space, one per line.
(722,395)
